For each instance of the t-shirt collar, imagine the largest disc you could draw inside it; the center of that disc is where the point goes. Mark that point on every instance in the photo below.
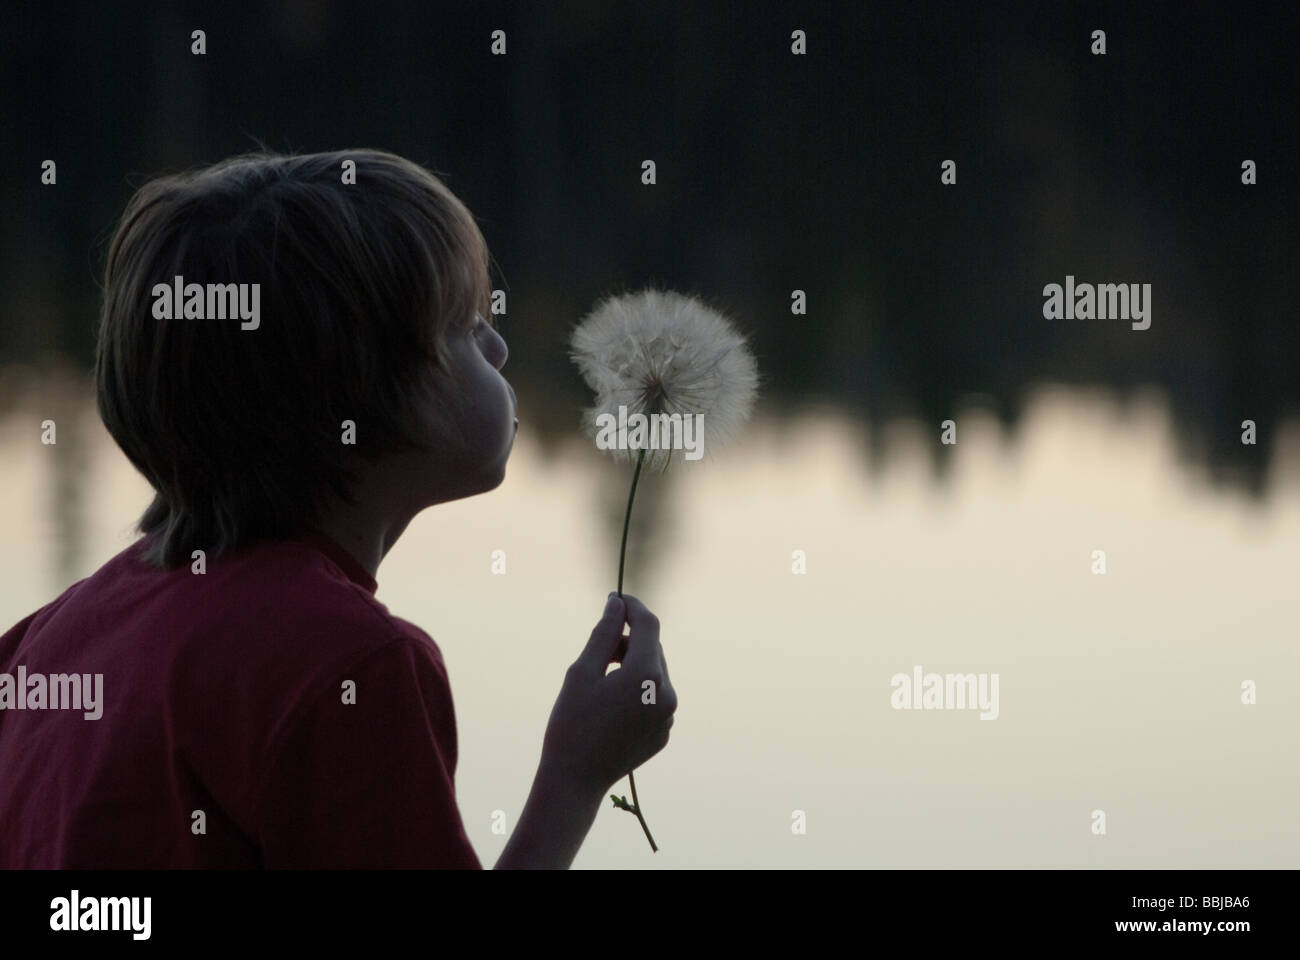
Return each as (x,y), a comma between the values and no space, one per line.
(346,562)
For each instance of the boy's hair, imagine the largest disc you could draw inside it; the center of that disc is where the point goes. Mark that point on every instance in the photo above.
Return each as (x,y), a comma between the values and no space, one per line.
(241,430)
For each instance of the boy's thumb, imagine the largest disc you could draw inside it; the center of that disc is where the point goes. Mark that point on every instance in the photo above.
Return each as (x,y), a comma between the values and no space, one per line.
(605,635)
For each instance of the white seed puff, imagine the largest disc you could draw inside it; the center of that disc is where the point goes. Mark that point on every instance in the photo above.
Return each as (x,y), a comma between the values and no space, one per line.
(662,352)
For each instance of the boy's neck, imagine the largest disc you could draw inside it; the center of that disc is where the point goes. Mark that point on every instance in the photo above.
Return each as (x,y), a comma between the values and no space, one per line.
(364,534)
(363,549)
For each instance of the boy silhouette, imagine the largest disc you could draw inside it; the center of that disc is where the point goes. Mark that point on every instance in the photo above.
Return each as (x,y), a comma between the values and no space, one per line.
(261,709)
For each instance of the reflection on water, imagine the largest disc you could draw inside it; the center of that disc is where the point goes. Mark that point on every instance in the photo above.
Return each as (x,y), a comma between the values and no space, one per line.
(1118,692)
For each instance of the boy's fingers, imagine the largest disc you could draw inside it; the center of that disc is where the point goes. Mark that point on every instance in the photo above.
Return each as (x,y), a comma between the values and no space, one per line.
(644,655)
(606,636)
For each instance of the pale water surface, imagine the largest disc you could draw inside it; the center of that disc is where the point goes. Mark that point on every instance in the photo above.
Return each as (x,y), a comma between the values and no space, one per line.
(1119,692)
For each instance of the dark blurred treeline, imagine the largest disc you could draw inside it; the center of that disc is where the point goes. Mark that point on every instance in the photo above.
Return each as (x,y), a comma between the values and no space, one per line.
(775,173)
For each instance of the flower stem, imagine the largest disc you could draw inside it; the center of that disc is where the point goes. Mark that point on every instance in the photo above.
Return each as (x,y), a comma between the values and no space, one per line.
(627,519)
(622,557)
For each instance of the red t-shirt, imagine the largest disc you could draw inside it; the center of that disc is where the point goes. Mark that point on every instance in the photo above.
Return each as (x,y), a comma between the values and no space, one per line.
(267,713)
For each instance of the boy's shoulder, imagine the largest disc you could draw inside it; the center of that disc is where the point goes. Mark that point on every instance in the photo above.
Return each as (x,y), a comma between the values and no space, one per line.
(304,598)
(300,608)
(210,670)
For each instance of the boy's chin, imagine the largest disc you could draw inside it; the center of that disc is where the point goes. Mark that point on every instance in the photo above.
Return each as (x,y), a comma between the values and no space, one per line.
(495,478)
(483,482)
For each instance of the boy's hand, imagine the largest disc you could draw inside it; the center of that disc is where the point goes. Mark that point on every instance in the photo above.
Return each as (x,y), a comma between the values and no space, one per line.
(602,727)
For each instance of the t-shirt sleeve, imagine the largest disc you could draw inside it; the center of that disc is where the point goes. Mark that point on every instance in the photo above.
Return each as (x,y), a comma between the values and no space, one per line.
(369,784)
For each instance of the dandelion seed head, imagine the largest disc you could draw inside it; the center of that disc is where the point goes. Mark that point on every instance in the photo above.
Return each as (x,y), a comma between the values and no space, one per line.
(663,352)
